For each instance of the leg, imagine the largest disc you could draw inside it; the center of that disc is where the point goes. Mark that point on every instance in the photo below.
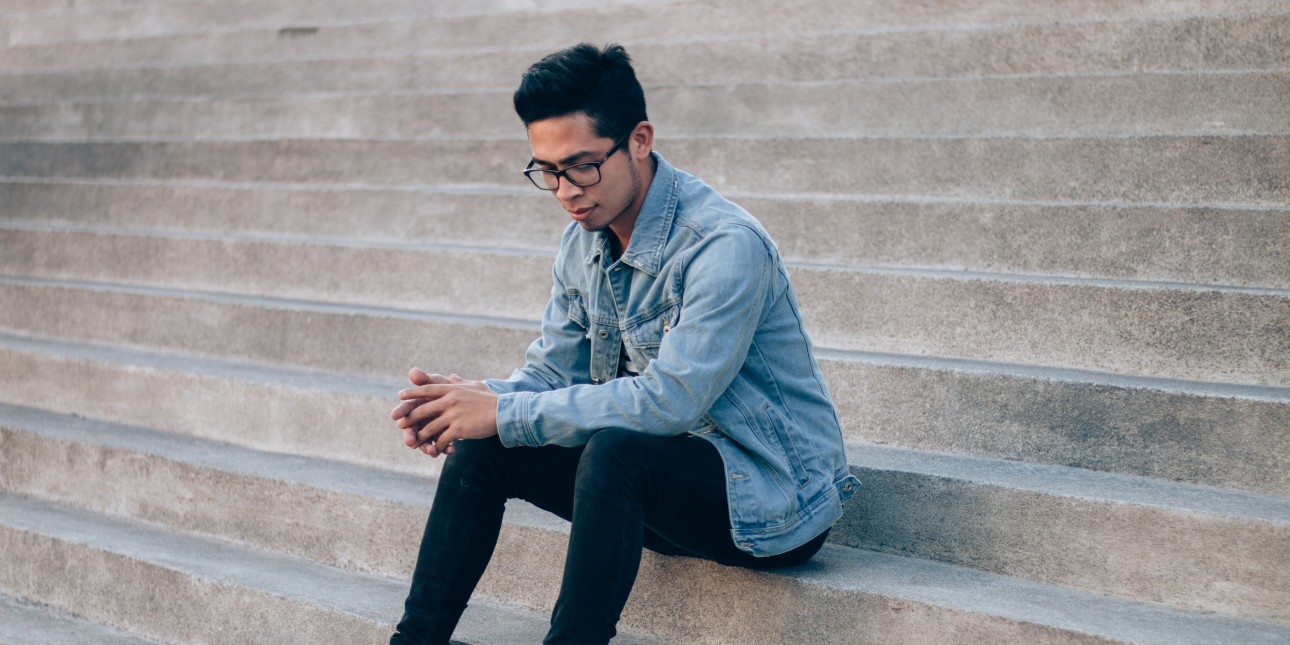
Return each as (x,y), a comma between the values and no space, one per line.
(632,490)
(464,523)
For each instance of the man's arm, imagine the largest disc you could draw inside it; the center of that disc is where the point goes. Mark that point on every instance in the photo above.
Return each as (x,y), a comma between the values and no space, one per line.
(728,284)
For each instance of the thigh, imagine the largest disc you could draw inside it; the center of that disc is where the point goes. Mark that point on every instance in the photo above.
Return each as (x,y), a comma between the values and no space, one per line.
(542,476)
(681,484)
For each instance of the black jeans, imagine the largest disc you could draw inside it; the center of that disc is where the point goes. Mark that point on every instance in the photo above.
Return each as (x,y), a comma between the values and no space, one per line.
(622,491)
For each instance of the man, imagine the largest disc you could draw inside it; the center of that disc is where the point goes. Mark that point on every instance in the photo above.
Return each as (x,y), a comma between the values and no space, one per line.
(672,401)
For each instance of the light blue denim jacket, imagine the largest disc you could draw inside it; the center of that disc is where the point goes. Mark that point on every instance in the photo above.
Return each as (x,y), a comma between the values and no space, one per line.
(704,306)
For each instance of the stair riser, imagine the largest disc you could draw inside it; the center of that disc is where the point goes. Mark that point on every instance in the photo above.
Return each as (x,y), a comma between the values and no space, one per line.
(1141,105)
(1214,438)
(1102,547)
(1242,247)
(1166,332)
(202,17)
(359,65)
(312,423)
(163,603)
(362,344)
(1236,170)
(1205,439)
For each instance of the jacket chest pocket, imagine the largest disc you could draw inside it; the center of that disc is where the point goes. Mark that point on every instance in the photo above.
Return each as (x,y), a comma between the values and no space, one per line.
(646,334)
(602,335)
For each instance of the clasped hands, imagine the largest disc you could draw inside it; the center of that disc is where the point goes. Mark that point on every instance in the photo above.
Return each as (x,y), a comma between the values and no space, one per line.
(438,410)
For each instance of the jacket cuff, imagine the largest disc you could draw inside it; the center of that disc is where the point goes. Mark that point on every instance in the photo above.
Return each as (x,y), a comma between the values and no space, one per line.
(514,425)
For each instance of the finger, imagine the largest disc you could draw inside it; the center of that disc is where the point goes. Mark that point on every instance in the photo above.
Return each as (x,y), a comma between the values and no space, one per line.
(431,430)
(423,414)
(401,410)
(410,438)
(429,391)
(419,376)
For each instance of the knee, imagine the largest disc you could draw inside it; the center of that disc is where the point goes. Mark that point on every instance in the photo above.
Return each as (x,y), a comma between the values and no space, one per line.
(613,453)
(471,460)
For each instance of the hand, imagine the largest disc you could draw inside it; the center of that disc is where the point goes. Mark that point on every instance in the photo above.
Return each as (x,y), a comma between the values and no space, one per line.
(441,409)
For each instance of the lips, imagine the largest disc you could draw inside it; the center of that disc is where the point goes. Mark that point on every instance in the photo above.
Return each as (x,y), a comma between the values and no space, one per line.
(581,214)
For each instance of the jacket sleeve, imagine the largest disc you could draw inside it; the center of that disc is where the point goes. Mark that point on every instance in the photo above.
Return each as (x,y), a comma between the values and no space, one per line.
(727,282)
(559,355)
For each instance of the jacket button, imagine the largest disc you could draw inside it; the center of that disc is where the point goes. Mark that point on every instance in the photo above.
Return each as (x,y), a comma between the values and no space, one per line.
(603,334)
(848,486)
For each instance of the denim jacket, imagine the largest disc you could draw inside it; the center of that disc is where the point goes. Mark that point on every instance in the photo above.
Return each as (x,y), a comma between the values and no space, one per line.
(703,305)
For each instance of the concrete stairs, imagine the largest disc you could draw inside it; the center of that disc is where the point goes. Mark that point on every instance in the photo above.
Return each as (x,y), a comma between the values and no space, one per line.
(1041,248)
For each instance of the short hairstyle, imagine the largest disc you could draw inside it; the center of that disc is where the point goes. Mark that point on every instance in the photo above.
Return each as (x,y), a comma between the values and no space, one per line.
(582,78)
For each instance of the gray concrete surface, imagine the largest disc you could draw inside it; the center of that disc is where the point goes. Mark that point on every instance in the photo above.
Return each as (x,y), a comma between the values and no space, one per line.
(1168,330)
(1241,246)
(1222,553)
(1222,434)
(1050,233)
(1182,170)
(1166,103)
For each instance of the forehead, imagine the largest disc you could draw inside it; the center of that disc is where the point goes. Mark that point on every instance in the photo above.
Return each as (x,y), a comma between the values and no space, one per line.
(565,139)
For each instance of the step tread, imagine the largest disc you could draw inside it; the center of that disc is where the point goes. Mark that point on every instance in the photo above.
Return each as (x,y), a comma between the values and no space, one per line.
(263,372)
(843,570)
(26,623)
(374,598)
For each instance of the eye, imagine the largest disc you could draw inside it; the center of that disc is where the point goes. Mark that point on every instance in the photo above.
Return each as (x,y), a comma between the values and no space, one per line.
(583,173)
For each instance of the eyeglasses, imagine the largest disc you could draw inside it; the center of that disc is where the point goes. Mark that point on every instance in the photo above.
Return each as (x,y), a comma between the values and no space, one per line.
(581,175)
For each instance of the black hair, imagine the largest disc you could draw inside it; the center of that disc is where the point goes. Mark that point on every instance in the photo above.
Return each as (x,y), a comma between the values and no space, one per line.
(585,79)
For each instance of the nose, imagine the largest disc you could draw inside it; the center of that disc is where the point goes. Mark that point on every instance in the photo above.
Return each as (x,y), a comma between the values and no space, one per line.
(567,191)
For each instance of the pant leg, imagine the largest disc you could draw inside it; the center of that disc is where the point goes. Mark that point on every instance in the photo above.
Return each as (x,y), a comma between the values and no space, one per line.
(465,521)
(632,488)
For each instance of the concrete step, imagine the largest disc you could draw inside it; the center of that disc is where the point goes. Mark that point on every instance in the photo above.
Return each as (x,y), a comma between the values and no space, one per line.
(1213,43)
(177,587)
(1209,433)
(191,585)
(1149,329)
(1211,170)
(1243,247)
(1147,35)
(1169,103)
(161,18)
(27,623)
(1221,553)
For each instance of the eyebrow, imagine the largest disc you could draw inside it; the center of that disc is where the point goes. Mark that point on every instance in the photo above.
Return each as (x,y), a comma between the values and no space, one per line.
(563,162)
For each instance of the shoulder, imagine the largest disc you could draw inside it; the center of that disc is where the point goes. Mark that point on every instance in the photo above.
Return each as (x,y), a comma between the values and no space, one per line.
(705,217)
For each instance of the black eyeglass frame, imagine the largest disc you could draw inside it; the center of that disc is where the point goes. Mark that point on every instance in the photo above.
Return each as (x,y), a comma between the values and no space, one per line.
(558,174)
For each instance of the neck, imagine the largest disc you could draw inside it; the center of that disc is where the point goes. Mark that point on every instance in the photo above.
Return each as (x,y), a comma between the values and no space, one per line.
(620,230)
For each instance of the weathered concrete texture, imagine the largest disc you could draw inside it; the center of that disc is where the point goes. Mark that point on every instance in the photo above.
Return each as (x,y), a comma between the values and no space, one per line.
(199,17)
(1185,546)
(357,341)
(1187,431)
(1013,610)
(418,56)
(1206,335)
(1222,246)
(1126,328)
(27,623)
(1233,437)
(1222,551)
(1117,105)
(310,414)
(521,217)
(429,279)
(1187,170)
(185,588)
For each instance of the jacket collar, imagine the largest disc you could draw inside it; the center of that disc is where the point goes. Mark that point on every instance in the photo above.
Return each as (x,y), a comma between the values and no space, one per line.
(649,236)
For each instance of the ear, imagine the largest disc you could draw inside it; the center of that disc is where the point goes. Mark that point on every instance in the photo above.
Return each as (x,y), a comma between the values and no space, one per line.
(641,142)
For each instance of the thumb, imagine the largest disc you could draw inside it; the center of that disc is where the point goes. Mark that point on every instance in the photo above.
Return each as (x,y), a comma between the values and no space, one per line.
(418,376)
